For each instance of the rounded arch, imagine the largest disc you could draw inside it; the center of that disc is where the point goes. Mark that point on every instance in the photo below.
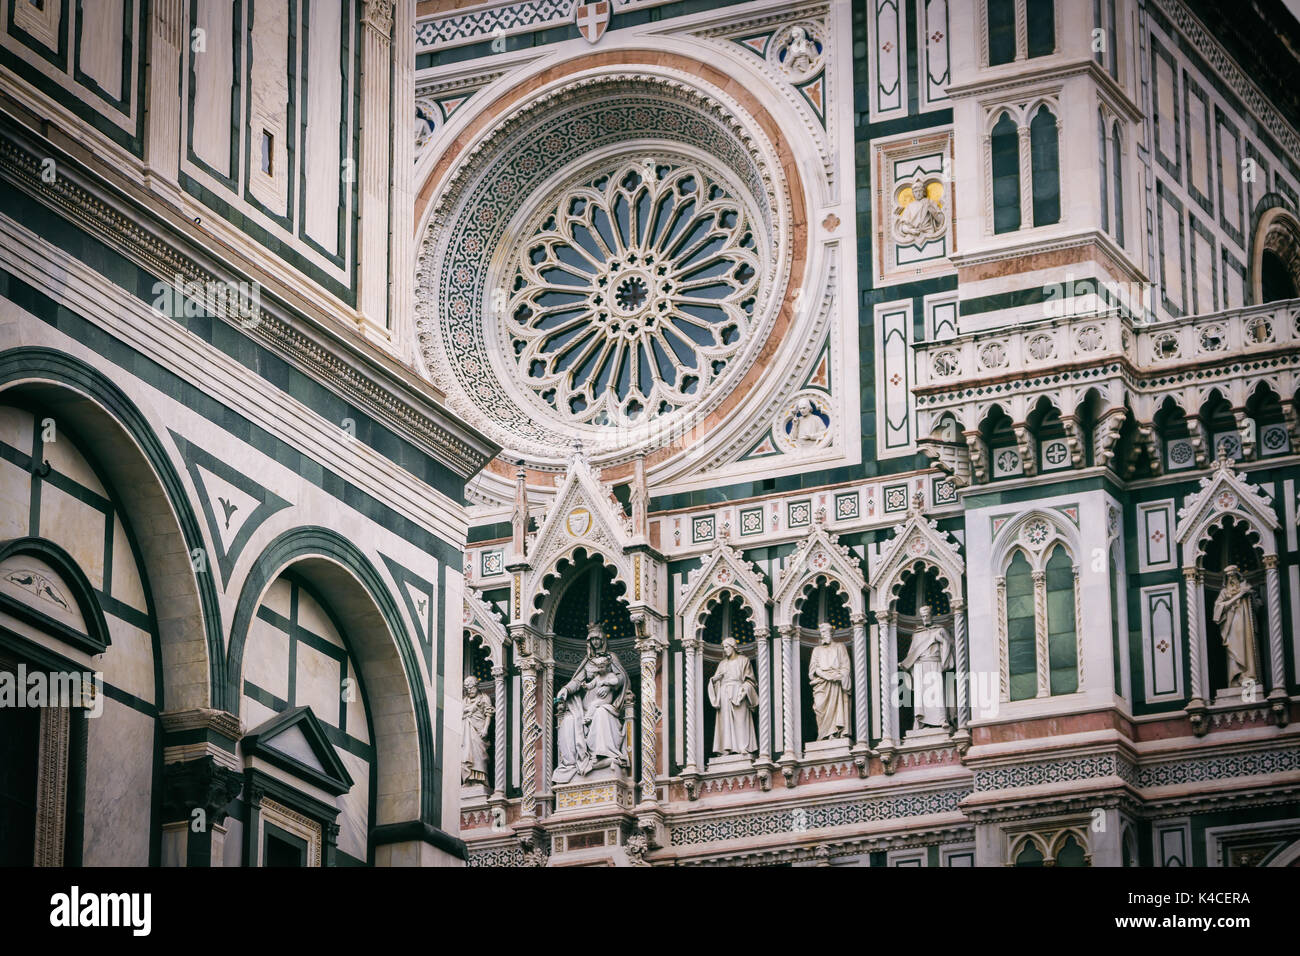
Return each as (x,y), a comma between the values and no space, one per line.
(546,596)
(1036,533)
(1276,234)
(372,625)
(890,588)
(809,584)
(83,593)
(111,427)
(708,603)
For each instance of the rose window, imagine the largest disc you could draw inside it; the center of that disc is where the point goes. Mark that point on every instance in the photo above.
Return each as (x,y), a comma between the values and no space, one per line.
(636,289)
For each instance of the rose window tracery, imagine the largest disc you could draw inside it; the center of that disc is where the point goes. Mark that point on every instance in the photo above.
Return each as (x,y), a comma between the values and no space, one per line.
(635,290)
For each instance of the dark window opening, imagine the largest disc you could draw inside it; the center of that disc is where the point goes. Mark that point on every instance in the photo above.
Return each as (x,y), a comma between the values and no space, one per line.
(1041,23)
(1002,31)
(19,756)
(1006,175)
(1275,279)
(268,152)
(1045,165)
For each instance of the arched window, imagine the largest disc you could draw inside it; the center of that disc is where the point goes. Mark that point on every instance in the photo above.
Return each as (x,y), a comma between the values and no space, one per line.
(1002,31)
(1071,853)
(1005,144)
(1062,649)
(1117,164)
(1039,38)
(1040,18)
(1022,663)
(1045,167)
(1030,855)
(1105,174)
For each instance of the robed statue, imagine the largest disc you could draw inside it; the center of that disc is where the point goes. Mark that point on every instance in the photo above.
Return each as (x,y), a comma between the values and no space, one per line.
(476,718)
(1234,612)
(590,725)
(830,675)
(929,658)
(733,690)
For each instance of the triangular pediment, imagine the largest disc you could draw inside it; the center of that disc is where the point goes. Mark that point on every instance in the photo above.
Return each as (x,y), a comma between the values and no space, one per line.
(296,742)
(724,568)
(819,553)
(1225,492)
(584,512)
(916,538)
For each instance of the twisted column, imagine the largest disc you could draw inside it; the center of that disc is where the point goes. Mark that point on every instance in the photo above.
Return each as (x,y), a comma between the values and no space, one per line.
(1276,665)
(530,731)
(499,731)
(888,713)
(1004,649)
(649,651)
(963,664)
(1078,629)
(1192,577)
(791,749)
(1040,633)
(691,647)
(861,680)
(761,637)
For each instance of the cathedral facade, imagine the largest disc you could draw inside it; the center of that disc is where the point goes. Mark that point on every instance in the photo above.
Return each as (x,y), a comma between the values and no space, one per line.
(831,433)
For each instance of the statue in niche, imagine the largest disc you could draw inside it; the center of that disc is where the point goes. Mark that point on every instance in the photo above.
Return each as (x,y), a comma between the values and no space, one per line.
(920,217)
(1234,612)
(639,498)
(590,728)
(830,675)
(929,659)
(476,718)
(733,691)
(807,428)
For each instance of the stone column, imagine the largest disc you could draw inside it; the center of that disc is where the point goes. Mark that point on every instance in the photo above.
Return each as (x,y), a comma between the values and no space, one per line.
(789,692)
(691,649)
(1195,600)
(499,731)
(530,730)
(1276,662)
(861,680)
(888,712)
(1040,634)
(376,123)
(649,652)
(1026,179)
(963,664)
(762,636)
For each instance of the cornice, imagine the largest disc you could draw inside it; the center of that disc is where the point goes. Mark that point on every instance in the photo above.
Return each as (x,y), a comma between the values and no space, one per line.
(353,370)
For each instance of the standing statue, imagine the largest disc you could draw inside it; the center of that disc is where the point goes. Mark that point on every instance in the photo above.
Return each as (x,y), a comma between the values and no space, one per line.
(928,659)
(830,674)
(733,690)
(589,734)
(519,516)
(1234,612)
(476,718)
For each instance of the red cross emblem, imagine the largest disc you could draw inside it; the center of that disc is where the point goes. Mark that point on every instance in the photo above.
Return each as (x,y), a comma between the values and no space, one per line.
(592,19)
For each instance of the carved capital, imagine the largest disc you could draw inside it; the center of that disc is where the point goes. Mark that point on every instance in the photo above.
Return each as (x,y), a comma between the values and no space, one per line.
(201,784)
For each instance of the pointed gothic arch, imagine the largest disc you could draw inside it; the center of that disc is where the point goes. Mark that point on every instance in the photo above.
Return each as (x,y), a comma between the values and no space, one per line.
(917,543)
(1225,498)
(723,575)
